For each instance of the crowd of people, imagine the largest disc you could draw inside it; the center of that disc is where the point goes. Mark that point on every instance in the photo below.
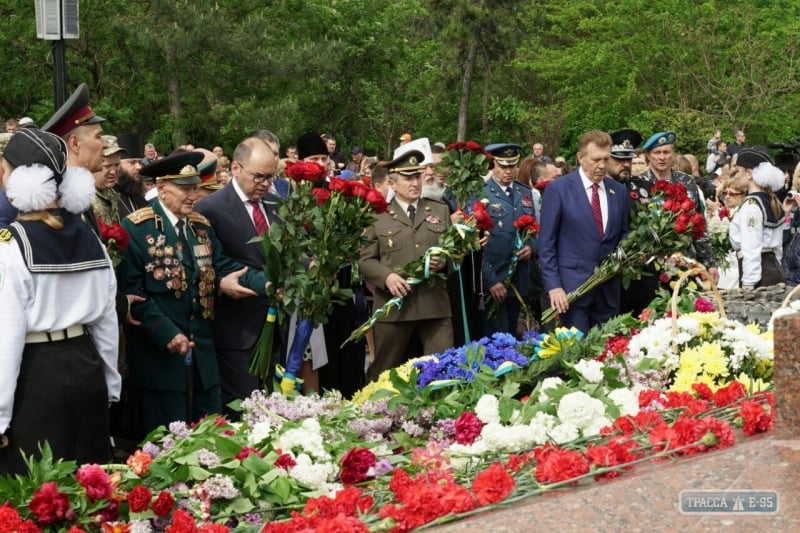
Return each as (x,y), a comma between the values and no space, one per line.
(164,329)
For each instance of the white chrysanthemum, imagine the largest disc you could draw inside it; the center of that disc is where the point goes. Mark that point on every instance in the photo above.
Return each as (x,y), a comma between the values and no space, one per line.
(541,424)
(564,433)
(514,438)
(626,400)
(590,370)
(77,190)
(310,474)
(140,526)
(597,424)
(307,438)
(548,383)
(487,409)
(259,432)
(580,409)
(32,187)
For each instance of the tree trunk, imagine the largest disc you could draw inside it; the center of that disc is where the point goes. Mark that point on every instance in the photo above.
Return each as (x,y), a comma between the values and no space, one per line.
(466,86)
(174,95)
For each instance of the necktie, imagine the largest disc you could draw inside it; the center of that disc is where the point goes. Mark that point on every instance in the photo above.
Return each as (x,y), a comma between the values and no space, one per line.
(259,219)
(510,193)
(182,237)
(598,214)
(412,211)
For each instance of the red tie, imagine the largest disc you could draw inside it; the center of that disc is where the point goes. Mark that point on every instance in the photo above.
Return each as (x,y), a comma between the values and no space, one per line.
(598,214)
(259,220)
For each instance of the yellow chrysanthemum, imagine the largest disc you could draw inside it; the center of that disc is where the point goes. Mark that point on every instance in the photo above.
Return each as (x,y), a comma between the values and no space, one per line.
(384,381)
(690,361)
(683,381)
(715,362)
(765,369)
(753,385)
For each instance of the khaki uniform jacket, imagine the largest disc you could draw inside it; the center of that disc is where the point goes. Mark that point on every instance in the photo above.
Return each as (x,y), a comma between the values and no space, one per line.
(394,242)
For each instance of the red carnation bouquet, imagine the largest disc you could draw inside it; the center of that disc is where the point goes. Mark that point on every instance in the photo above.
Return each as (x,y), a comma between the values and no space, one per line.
(660,227)
(321,231)
(527,227)
(115,238)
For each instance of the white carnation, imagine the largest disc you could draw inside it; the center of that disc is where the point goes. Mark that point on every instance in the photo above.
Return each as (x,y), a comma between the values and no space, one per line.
(487,409)
(541,424)
(548,383)
(258,433)
(312,475)
(597,424)
(626,400)
(590,370)
(564,433)
(580,409)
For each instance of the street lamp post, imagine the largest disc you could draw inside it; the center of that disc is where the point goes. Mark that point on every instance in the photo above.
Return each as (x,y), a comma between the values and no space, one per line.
(57,20)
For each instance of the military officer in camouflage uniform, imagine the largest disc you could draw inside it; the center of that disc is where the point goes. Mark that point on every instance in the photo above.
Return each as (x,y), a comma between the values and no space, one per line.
(175,261)
(105,203)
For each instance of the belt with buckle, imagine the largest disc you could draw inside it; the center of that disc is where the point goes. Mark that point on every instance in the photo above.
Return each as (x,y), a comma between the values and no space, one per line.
(71,332)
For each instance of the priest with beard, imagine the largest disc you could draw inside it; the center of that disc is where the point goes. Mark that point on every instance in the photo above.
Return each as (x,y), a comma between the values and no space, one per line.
(129,186)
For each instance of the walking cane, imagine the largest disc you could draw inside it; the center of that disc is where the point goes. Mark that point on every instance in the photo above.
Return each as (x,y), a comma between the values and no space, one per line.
(189,377)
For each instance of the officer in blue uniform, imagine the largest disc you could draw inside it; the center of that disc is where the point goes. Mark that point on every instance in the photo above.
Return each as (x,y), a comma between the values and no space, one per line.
(508,200)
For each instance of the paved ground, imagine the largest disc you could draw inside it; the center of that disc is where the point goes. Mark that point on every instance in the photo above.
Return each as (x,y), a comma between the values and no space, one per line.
(648,498)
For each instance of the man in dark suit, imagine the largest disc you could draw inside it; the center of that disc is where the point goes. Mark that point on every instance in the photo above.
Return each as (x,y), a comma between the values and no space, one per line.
(402,234)
(584,217)
(242,210)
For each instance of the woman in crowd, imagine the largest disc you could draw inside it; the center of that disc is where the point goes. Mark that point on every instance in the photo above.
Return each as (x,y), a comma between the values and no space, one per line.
(756,231)
(58,324)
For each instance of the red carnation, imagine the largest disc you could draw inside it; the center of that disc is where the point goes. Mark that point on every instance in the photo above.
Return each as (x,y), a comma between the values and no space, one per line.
(648,396)
(347,502)
(49,504)
(702,390)
(616,452)
(356,464)
(163,504)
(528,224)
(560,465)
(468,428)
(492,485)
(95,480)
(139,499)
(714,434)
(11,521)
(482,218)
(182,522)
(730,393)
(376,199)
(321,194)
(755,418)
(119,235)
(246,451)
(285,461)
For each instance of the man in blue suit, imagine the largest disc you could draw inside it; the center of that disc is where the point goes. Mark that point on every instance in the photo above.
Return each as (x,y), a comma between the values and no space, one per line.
(508,200)
(584,217)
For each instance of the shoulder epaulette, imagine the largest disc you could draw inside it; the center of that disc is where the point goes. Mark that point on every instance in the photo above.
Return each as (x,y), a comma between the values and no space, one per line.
(6,236)
(521,185)
(140,215)
(197,218)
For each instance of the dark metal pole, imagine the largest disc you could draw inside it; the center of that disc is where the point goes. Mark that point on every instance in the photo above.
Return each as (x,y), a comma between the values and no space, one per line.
(60,72)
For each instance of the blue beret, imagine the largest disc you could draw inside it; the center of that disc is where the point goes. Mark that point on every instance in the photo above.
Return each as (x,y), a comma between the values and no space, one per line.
(659,139)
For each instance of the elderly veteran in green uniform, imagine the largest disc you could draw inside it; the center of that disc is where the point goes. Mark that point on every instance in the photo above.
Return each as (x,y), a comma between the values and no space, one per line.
(175,261)
(402,234)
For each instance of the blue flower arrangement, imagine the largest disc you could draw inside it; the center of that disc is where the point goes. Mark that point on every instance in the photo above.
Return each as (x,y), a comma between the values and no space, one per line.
(501,352)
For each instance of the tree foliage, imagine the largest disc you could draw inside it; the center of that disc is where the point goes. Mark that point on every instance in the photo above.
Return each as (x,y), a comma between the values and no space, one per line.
(210,71)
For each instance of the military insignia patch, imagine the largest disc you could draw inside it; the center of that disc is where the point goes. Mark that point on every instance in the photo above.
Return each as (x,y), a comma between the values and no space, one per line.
(6,235)
(751,222)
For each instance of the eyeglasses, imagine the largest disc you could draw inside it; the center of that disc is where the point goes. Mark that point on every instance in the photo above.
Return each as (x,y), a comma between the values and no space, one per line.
(258,178)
